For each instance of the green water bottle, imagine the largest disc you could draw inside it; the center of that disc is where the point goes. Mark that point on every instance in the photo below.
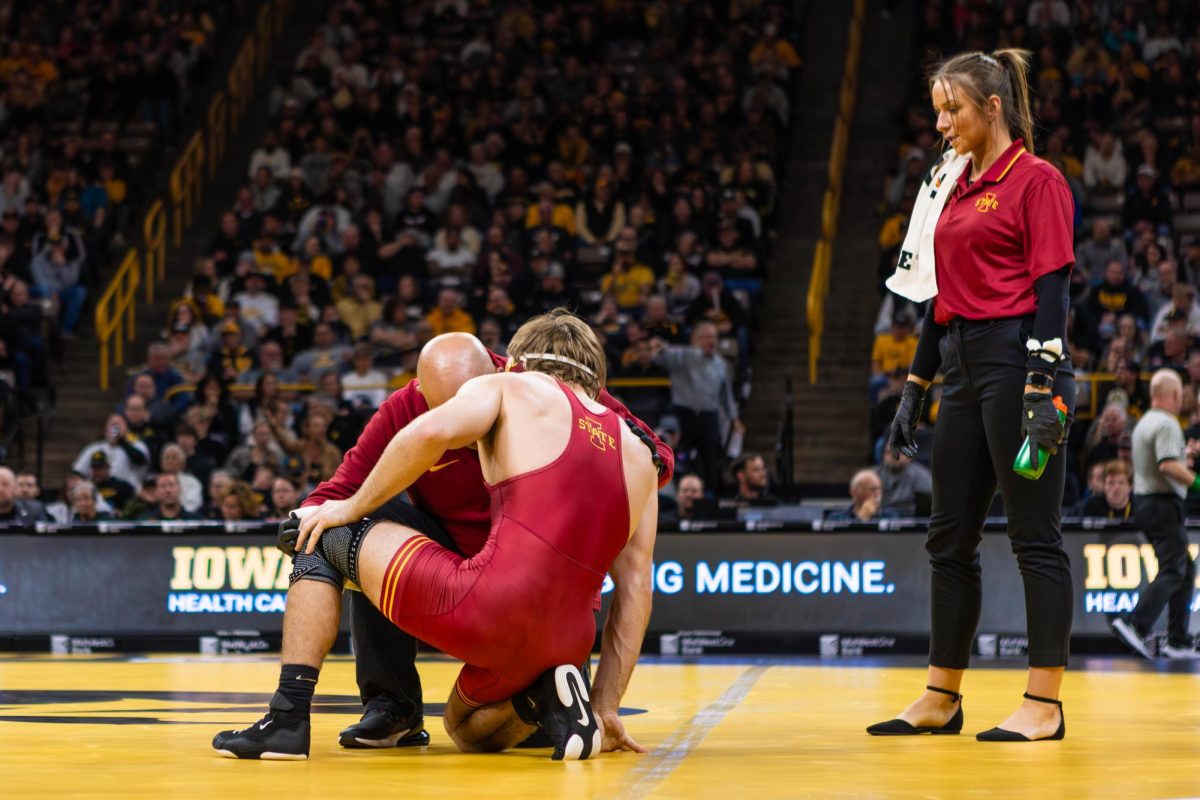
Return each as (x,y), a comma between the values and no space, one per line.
(1022,465)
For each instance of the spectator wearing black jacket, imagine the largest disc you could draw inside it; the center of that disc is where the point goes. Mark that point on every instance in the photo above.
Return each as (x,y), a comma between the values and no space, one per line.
(1115,501)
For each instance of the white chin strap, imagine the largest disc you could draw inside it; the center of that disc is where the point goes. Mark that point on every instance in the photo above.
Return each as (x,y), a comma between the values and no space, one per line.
(558,358)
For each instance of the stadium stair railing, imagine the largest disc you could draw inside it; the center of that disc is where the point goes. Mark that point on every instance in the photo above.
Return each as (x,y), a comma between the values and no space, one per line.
(818,286)
(116,310)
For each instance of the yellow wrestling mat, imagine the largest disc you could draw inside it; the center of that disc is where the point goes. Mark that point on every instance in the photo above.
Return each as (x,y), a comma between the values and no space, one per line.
(99,726)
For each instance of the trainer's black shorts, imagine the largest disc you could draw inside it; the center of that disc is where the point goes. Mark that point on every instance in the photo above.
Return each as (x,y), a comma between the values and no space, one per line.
(408,515)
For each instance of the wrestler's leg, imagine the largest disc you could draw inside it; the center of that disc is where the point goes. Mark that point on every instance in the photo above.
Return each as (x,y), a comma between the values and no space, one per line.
(379,547)
(385,669)
(484,729)
(310,622)
(310,626)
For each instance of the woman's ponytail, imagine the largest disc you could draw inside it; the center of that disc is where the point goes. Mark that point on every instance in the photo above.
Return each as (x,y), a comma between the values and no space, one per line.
(1018,115)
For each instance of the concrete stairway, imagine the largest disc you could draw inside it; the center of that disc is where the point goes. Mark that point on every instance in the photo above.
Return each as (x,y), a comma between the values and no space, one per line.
(82,407)
(831,417)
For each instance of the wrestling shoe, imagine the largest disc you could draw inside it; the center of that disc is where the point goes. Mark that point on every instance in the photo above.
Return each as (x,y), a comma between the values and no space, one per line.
(566,714)
(276,737)
(528,705)
(381,726)
(1128,633)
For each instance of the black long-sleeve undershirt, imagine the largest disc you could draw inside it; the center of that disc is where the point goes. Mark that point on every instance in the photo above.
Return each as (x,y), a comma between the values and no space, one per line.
(1049,322)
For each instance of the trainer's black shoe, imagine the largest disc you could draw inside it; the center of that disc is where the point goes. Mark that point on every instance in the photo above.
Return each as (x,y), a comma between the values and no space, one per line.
(275,737)
(381,726)
(566,714)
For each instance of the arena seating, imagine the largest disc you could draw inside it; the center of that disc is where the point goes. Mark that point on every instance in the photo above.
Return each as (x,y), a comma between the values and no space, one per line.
(462,167)
(92,96)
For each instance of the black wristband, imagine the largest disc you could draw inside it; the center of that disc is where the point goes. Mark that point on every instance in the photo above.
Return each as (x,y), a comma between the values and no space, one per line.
(1039,379)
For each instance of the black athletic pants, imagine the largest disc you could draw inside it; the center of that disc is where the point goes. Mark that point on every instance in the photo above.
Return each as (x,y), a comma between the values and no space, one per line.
(701,431)
(1160,516)
(975,440)
(385,656)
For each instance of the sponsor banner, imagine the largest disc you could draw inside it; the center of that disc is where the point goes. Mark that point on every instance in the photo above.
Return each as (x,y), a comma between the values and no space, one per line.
(62,645)
(864,589)
(832,645)
(69,585)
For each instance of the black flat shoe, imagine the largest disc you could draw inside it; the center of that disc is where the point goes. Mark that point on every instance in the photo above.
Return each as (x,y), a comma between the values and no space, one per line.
(898,727)
(1001,735)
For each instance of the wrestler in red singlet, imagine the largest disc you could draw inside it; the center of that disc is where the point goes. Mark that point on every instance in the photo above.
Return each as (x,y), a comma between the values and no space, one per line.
(525,602)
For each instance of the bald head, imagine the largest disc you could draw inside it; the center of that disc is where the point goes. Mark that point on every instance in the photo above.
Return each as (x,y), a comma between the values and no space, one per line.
(447,362)
(1165,381)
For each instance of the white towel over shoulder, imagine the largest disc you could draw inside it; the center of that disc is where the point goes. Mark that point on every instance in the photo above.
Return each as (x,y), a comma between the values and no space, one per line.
(916,271)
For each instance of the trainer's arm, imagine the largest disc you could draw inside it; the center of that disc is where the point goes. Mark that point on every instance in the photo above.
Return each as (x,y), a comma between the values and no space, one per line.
(460,421)
(665,453)
(628,615)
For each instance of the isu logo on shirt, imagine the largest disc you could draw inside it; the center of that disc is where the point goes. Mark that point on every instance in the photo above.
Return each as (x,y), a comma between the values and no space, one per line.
(600,440)
(987,203)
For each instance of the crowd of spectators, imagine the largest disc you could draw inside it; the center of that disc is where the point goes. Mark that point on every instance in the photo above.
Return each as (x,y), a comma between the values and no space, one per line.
(1117,107)
(89,94)
(451,166)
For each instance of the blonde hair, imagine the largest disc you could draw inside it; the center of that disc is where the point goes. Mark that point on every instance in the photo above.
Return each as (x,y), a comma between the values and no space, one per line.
(1005,74)
(561,345)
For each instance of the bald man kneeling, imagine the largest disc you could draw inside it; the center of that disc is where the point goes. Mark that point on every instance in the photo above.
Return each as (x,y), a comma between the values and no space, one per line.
(449,503)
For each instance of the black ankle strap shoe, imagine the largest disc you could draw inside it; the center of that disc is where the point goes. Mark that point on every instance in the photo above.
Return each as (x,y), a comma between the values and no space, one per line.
(898,727)
(1001,735)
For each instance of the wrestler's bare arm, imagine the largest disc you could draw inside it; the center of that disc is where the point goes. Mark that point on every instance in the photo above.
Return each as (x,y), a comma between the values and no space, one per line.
(460,421)
(628,615)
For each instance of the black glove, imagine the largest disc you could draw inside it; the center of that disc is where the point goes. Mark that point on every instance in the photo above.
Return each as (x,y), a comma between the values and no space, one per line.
(647,440)
(1039,421)
(903,439)
(285,540)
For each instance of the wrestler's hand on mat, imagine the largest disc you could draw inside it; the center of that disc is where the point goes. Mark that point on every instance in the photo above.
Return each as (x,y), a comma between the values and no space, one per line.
(329,514)
(615,737)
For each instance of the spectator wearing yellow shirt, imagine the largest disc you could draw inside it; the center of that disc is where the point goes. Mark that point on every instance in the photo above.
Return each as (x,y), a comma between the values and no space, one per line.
(319,263)
(547,211)
(773,48)
(448,316)
(1185,174)
(892,350)
(360,310)
(629,282)
(269,258)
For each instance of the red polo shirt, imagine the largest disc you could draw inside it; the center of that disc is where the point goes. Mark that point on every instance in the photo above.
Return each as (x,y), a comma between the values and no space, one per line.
(999,235)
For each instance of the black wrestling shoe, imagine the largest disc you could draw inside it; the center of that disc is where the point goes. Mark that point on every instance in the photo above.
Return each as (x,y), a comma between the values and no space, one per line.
(275,737)
(566,714)
(380,726)
(898,727)
(529,704)
(1002,735)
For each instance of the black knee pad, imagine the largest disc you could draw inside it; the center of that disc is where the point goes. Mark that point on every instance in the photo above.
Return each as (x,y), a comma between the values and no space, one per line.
(335,559)
(314,567)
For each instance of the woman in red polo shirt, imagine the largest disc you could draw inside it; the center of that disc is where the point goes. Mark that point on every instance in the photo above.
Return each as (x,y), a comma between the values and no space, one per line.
(996,328)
